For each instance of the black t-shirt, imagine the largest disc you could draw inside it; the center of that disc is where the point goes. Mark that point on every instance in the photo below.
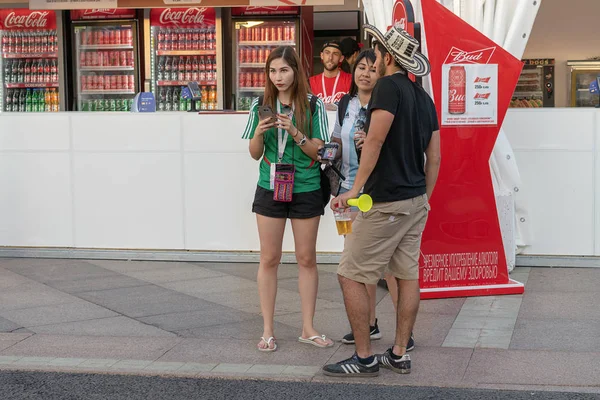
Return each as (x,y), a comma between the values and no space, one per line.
(400,170)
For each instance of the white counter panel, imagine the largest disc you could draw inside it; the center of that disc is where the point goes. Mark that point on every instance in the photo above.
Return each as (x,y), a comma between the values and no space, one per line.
(35,206)
(128,200)
(126,132)
(35,132)
(223,134)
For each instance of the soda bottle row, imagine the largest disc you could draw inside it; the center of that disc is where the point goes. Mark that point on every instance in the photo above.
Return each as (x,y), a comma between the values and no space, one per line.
(254,55)
(252,79)
(186,38)
(106,36)
(123,58)
(30,71)
(31,100)
(274,33)
(112,104)
(244,103)
(28,41)
(108,82)
(195,69)
(170,99)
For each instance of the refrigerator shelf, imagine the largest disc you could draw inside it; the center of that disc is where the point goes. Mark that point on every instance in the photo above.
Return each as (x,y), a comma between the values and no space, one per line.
(252,65)
(107,68)
(106,47)
(184,83)
(186,52)
(30,55)
(31,85)
(269,43)
(107,92)
(528,94)
(251,89)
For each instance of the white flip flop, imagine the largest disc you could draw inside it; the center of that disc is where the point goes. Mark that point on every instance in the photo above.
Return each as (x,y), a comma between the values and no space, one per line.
(311,340)
(268,342)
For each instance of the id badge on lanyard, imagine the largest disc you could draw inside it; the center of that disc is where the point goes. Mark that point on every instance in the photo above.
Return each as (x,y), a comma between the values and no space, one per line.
(282,139)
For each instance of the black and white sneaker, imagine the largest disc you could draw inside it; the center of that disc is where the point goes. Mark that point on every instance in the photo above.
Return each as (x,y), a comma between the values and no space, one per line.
(374,330)
(352,367)
(390,361)
(411,343)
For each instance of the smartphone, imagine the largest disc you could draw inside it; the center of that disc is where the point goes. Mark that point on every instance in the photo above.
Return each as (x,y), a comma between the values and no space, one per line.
(329,151)
(265,112)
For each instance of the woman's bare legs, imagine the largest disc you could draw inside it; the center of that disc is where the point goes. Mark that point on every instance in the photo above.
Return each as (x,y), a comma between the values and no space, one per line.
(270,232)
(305,241)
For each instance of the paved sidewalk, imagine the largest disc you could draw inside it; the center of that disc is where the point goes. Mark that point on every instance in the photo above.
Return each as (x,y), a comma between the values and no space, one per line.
(192,319)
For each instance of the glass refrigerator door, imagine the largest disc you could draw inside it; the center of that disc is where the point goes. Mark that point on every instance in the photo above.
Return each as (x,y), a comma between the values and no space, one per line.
(106,72)
(580,87)
(255,41)
(29,62)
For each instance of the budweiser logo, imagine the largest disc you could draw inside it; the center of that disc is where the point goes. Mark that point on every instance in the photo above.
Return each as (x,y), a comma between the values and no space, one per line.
(482,56)
(188,16)
(483,80)
(455,96)
(35,19)
(482,96)
(107,11)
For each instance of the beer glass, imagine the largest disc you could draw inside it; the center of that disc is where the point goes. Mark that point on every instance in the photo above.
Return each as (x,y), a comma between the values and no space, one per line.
(343,221)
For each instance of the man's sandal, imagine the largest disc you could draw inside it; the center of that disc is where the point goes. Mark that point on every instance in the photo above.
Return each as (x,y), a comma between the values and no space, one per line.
(268,343)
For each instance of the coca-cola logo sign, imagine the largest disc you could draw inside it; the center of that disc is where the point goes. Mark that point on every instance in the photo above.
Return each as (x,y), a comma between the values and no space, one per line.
(458,56)
(189,16)
(35,19)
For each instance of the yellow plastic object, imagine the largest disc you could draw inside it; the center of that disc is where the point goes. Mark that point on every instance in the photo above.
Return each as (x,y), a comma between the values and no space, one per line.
(364,202)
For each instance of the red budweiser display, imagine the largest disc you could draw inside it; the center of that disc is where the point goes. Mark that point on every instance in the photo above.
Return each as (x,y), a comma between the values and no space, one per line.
(462,251)
(277,26)
(106,59)
(29,61)
(184,49)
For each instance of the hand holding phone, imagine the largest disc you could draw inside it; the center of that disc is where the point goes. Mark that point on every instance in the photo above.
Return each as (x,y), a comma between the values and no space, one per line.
(328,151)
(266,112)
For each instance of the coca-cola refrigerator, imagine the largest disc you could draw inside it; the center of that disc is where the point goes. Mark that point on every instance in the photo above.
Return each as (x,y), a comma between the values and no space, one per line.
(30,61)
(105,57)
(184,46)
(256,32)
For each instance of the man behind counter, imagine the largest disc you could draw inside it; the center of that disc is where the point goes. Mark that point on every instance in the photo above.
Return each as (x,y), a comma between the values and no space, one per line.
(332,83)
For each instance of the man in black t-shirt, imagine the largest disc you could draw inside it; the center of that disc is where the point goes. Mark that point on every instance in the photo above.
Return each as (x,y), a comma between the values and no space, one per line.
(398,167)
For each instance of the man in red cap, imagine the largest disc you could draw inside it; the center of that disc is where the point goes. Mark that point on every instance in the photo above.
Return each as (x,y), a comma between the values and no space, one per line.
(332,83)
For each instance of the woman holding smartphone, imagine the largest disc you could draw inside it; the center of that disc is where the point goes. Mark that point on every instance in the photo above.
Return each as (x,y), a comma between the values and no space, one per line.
(285,135)
(349,133)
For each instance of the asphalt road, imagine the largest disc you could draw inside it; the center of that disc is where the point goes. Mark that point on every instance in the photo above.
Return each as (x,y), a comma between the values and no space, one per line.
(17,385)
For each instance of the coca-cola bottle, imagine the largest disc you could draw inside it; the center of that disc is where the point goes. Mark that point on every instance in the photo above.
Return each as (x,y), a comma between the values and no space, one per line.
(47,69)
(8,101)
(202,40)
(161,69)
(173,39)
(196,39)
(21,72)
(188,69)
(54,71)
(195,71)
(176,96)
(20,42)
(37,42)
(7,70)
(181,74)
(11,43)
(27,71)
(160,38)
(175,69)
(168,99)
(30,42)
(168,66)
(181,39)
(5,43)
(14,71)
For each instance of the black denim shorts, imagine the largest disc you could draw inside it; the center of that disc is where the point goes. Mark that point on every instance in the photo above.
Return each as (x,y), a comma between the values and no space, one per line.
(303,205)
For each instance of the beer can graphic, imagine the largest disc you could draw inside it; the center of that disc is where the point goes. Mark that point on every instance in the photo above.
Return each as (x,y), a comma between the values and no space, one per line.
(457,90)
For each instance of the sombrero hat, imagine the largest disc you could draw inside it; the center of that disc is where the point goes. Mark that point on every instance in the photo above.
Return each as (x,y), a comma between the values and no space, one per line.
(403,47)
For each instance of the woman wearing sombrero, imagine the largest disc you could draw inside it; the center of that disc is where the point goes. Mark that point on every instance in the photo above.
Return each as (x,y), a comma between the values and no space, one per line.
(399,165)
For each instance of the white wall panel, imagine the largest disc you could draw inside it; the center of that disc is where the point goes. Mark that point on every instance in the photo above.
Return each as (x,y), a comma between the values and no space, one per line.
(126,132)
(128,200)
(220,133)
(35,206)
(26,132)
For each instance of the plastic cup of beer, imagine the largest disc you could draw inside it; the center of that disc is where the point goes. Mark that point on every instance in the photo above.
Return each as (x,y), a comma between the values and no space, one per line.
(343,221)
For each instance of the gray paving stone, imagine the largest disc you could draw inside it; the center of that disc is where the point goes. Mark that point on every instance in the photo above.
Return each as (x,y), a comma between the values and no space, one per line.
(462,338)
(8,326)
(5,360)
(232,368)
(332,323)
(494,339)
(114,326)
(468,322)
(92,347)
(98,363)
(34,361)
(164,366)
(66,362)
(193,367)
(212,314)
(295,370)
(559,305)
(144,301)
(10,280)
(244,330)
(327,282)
(187,272)
(48,271)
(430,329)
(30,295)
(249,271)
(269,369)
(441,306)
(56,314)
(131,364)
(555,368)
(125,267)
(221,284)
(115,281)
(555,280)
(556,334)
